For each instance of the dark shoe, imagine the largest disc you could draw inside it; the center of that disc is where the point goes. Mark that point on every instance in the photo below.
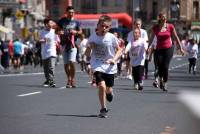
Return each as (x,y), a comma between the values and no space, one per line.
(73,84)
(52,84)
(164,87)
(45,84)
(103,113)
(109,97)
(161,84)
(140,86)
(68,84)
(155,84)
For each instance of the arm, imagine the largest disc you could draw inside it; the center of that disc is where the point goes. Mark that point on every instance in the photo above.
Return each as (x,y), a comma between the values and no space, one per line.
(178,41)
(88,51)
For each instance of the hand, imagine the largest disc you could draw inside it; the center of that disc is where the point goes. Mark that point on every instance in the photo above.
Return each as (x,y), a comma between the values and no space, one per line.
(73,31)
(182,52)
(61,32)
(110,61)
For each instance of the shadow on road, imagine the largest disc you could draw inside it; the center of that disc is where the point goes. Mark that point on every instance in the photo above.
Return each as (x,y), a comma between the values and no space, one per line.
(72,115)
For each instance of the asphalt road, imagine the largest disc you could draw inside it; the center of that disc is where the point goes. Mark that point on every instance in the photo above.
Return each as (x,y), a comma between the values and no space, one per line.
(28,108)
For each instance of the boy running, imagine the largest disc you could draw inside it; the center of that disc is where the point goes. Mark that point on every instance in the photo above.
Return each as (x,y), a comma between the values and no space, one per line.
(104,50)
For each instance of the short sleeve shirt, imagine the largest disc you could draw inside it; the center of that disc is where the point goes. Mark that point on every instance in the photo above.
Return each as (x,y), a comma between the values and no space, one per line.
(163,38)
(103,49)
(137,51)
(67,25)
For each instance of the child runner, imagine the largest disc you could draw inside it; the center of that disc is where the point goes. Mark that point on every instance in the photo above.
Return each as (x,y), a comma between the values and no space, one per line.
(192,50)
(48,39)
(137,52)
(104,49)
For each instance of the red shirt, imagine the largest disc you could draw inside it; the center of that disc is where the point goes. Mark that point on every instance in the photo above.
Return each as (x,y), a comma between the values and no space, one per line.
(164,40)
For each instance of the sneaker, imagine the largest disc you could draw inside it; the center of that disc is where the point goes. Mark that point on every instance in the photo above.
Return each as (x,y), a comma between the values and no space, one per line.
(73,84)
(52,84)
(103,113)
(155,84)
(140,86)
(45,84)
(164,87)
(161,84)
(136,86)
(68,84)
(109,97)
(129,77)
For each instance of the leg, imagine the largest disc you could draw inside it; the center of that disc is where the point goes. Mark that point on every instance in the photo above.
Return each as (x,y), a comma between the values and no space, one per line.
(51,66)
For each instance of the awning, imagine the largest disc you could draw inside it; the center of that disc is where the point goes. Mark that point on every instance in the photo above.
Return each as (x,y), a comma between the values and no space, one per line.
(195,25)
(123,18)
(5,29)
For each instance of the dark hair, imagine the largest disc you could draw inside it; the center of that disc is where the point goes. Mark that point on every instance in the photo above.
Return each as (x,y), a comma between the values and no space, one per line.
(69,8)
(46,20)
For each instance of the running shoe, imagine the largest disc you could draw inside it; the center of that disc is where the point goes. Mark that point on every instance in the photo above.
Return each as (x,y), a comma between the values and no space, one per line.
(135,87)
(73,84)
(68,84)
(45,84)
(164,87)
(109,97)
(161,84)
(52,84)
(129,77)
(103,113)
(155,84)
(140,86)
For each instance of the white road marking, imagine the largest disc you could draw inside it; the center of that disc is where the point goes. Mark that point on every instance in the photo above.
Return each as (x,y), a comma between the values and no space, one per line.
(21,74)
(22,95)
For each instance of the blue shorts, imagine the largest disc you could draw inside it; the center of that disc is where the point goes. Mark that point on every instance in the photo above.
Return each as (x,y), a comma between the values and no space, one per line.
(69,56)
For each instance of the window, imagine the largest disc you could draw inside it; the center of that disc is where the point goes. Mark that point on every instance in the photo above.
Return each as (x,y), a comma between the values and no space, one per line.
(89,4)
(196,9)
(119,3)
(56,1)
(175,9)
(154,10)
(104,3)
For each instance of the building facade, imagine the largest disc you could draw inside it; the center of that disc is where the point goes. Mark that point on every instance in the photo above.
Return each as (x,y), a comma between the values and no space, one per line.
(185,14)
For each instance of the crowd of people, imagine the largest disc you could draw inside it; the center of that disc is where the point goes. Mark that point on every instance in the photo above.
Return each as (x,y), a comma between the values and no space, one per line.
(103,54)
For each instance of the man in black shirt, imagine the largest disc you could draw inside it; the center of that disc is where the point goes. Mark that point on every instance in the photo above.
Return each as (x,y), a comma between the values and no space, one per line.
(69,28)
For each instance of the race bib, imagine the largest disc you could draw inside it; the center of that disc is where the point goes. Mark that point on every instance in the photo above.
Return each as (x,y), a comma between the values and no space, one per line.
(100,52)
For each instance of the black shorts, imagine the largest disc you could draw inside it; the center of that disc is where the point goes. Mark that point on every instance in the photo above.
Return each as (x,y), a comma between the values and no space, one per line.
(16,56)
(108,78)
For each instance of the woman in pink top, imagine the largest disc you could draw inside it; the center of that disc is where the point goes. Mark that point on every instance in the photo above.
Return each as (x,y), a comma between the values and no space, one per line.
(164,50)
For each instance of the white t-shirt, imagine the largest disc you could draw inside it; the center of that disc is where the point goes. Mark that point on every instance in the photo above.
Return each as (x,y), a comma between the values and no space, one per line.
(154,43)
(137,51)
(49,47)
(143,35)
(82,45)
(192,51)
(103,49)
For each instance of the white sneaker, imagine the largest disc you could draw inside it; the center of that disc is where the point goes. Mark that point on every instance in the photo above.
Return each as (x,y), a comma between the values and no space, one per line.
(136,86)
(129,77)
